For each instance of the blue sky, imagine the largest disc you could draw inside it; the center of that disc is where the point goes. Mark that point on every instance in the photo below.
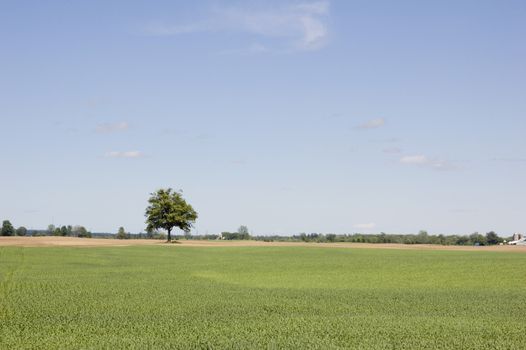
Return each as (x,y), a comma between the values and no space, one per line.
(285,116)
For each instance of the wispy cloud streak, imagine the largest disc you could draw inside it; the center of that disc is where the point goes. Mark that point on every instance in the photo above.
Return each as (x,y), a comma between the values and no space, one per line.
(126,154)
(424,161)
(372,124)
(300,27)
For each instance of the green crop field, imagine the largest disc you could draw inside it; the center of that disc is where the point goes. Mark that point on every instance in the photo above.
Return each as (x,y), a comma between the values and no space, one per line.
(156,297)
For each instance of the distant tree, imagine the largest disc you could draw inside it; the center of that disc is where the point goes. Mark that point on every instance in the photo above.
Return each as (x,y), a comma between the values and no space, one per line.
(80,231)
(331,237)
(51,229)
(63,231)
(492,238)
(243,233)
(477,239)
(57,232)
(38,233)
(463,240)
(7,229)
(121,234)
(83,233)
(21,231)
(76,230)
(422,237)
(150,232)
(167,210)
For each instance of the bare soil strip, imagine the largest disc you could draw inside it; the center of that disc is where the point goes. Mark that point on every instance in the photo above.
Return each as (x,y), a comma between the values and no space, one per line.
(99,242)
(52,241)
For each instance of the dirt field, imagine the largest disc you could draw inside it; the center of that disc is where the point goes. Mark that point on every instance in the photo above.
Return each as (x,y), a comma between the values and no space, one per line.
(98,242)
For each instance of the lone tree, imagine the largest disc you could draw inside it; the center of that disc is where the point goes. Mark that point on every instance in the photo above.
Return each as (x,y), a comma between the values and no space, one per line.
(21,231)
(167,210)
(243,233)
(7,229)
(81,232)
(121,234)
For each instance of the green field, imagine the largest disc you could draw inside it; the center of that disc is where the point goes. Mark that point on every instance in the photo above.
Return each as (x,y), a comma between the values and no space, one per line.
(260,297)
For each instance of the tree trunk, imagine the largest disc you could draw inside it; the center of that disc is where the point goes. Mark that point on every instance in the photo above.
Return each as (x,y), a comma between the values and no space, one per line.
(169,236)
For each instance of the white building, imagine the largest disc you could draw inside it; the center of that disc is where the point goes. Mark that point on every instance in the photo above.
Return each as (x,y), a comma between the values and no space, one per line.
(518,239)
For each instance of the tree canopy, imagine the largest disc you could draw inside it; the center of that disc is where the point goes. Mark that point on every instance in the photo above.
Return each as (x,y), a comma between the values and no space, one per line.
(80,231)
(7,229)
(21,231)
(168,209)
(121,234)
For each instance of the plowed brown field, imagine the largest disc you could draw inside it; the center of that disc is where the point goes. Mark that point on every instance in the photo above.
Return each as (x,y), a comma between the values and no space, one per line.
(98,242)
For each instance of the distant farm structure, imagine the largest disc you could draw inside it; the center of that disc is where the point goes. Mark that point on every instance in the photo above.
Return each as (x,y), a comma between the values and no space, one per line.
(518,239)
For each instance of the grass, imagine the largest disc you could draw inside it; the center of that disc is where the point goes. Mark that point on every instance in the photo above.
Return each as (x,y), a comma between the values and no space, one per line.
(260,297)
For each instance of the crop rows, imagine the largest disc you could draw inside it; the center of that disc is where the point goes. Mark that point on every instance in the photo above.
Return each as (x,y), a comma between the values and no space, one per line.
(183,298)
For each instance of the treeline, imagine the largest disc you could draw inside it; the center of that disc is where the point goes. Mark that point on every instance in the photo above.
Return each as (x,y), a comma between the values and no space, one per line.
(9,230)
(490,238)
(242,233)
(150,234)
(66,231)
(71,231)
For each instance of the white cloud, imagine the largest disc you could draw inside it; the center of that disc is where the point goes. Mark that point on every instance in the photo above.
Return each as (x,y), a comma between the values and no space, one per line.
(112,127)
(127,154)
(372,124)
(421,160)
(299,27)
(314,33)
(368,226)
